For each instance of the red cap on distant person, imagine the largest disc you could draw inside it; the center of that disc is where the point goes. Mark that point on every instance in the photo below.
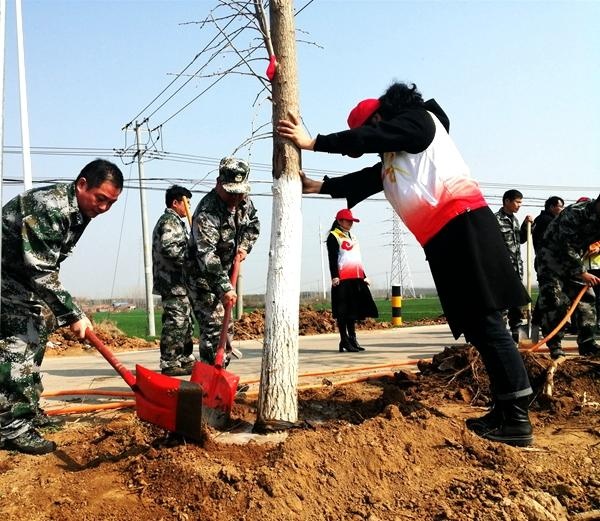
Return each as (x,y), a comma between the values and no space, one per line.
(583,199)
(360,114)
(347,215)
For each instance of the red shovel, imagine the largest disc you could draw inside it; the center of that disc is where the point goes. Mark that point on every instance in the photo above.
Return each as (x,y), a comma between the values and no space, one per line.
(174,405)
(219,386)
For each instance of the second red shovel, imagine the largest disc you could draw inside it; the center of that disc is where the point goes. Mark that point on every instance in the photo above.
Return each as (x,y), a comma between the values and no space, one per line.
(218,385)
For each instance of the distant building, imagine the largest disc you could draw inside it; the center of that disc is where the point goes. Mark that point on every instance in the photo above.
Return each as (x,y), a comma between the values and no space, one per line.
(122,305)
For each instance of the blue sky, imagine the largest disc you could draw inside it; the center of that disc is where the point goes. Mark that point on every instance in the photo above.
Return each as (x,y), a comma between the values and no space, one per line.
(519,81)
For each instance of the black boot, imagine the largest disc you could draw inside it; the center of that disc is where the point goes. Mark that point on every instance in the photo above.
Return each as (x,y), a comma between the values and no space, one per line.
(350,326)
(30,442)
(345,345)
(489,421)
(589,349)
(515,428)
(354,343)
(556,351)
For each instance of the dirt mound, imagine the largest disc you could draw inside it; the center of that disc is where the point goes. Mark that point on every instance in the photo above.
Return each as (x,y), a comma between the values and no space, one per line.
(64,342)
(393,448)
(311,322)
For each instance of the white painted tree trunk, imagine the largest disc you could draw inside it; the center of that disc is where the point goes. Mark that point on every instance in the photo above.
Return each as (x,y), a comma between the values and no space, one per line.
(279,373)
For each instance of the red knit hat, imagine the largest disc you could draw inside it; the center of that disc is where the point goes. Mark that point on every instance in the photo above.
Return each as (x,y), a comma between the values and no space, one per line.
(360,114)
(583,199)
(347,215)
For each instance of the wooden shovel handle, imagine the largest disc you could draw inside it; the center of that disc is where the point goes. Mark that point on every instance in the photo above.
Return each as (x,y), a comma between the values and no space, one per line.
(235,270)
(186,204)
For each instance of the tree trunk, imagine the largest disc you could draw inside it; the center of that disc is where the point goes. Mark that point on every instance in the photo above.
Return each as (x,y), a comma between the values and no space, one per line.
(279,373)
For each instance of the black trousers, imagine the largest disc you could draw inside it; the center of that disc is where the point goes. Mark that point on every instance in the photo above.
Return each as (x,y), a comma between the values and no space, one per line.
(502,360)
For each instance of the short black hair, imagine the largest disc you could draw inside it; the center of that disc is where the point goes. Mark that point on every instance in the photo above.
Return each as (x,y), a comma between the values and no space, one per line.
(553,201)
(99,171)
(397,97)
(176,193)
(511,195)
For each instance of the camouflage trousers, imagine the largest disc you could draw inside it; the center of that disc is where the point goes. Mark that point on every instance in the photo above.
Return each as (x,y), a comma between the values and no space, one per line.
(23,336)
(176,344)
(554,300)
(209,313)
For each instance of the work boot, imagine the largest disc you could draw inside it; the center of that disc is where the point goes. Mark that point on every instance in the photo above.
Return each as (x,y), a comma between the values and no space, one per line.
(177,371)
(30,442)
(535,333)
(556,351)
(515,428)
(489,421)
(42,421)
(514,333)
(241,390)
(589,349)
(354,342)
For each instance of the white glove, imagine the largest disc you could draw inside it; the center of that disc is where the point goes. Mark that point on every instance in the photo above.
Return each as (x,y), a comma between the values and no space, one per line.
(80,326)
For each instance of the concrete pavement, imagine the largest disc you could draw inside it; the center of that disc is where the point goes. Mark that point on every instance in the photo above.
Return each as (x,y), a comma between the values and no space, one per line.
(316,353)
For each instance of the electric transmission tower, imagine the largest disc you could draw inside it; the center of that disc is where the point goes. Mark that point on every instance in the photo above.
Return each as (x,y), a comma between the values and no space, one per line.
(400,269)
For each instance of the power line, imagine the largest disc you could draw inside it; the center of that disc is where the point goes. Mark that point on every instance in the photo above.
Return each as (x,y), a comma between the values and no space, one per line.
(175,79)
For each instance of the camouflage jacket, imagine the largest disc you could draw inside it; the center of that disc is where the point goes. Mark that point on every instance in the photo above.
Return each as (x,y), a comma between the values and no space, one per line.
(217,234)
(169,249)
(513,236)
(567,239)
(39,230)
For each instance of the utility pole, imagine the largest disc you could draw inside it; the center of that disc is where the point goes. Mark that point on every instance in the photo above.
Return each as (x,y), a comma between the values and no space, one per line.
(322,261)
(2,41)
(27,178)
(145,236)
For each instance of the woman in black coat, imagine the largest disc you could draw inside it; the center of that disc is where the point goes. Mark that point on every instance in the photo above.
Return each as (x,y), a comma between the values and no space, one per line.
(350,296)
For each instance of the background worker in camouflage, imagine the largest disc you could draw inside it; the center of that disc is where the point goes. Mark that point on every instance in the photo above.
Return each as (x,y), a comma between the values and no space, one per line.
(169,249)
(224,225)
(561,271)
(514,235)
(39,231)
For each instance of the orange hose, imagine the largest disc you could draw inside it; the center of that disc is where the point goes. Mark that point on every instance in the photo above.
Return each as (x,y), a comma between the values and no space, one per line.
(77,392)
(561,323)
(339,371)
(78,409)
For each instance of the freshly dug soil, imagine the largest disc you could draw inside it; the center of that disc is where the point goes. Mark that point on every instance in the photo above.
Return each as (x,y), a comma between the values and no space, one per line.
(393,448)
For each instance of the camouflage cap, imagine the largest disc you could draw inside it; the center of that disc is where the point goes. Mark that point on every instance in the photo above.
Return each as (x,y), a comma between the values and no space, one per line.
(233,174)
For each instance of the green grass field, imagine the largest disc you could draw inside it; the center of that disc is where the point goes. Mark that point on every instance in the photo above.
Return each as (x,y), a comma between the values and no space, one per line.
(134,323)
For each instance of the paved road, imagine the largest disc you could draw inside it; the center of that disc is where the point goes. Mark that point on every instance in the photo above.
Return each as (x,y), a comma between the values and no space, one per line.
(317,353)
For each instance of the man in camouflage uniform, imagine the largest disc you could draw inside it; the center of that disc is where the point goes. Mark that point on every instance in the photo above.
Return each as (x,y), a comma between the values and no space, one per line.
(514,235)
(169,249)
(561,274)
(224,225)
(39,231)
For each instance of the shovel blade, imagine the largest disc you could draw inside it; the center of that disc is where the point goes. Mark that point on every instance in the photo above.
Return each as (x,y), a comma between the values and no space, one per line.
(219,387)
(174,405)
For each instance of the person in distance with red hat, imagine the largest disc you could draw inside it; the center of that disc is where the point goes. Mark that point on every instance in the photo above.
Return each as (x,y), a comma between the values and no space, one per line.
(351,299)
(429,185)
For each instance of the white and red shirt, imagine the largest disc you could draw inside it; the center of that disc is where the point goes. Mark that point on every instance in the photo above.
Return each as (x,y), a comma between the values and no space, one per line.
(429,188)
(349,260)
